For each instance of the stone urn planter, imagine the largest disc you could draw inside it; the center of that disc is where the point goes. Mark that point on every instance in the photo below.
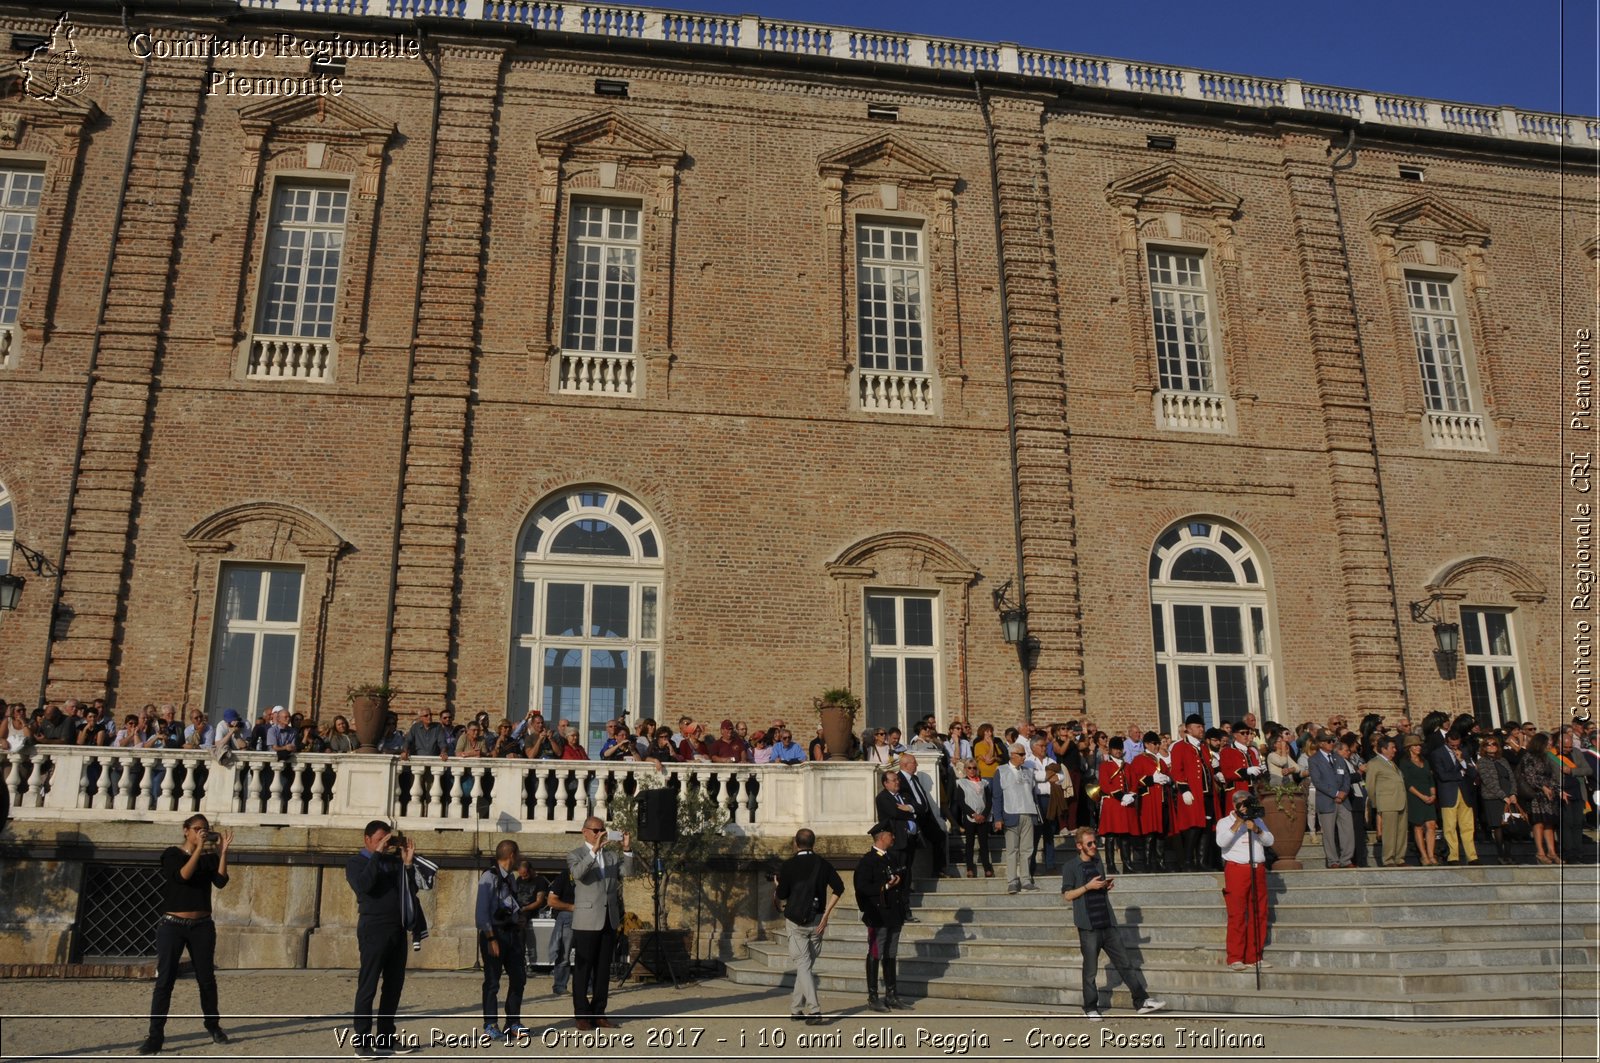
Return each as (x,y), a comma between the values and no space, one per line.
(369,710)
(1286,819)
(836,711)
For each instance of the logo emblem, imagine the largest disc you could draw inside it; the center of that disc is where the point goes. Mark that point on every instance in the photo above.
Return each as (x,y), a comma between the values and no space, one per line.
(55,70)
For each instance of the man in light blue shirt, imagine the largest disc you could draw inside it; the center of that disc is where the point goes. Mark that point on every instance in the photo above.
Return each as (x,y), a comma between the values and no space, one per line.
(280,734)
(786,750)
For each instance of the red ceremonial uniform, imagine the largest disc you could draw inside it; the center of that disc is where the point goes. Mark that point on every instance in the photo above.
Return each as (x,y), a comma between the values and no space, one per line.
(1114,782)
(1234,761)
(1191,773)
(1155,799)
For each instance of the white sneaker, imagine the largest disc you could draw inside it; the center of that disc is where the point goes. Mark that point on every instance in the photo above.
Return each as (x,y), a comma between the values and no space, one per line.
(1151,1005)
(1094,1015)
(1238,967)
(1264,965)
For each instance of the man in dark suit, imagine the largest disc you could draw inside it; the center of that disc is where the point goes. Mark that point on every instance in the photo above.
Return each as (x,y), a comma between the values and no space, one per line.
(880,886)
(596,917)
(915,788)
(897,813)
(385,879)
(1456,798)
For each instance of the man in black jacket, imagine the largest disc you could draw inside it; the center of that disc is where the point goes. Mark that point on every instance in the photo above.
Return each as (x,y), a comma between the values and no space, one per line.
(385,880)
(880,885)
(803,883)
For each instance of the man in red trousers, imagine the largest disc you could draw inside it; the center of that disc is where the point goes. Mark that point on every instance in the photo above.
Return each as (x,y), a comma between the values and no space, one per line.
(1244,884)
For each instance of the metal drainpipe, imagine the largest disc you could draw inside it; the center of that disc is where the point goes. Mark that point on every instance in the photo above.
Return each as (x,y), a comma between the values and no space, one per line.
(88,389)
(1011,396)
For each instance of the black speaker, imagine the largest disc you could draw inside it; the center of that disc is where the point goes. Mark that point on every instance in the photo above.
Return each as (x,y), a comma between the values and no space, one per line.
(658,815)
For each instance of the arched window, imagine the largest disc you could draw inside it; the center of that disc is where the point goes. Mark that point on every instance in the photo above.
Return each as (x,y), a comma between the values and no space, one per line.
(8,529)
(1211,624)
(586,630)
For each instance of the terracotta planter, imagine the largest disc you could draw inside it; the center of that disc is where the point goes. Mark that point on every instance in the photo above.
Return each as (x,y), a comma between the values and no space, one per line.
(367,717)
(836,725)
(1286,819)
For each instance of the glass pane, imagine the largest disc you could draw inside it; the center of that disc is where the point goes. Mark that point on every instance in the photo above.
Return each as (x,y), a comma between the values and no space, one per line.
(555,510)
(7,518)
(517,705)
(1471,635)
(1227,634)
(1233,691)
(1189,628)
(1194,691)
(283,595)
(1163,700)
(1202,566)
(881,622)
(647,684)
(1264,691)
(561,686)
(591,538)
(1258,628)
(1249,568)
(1229,541)
(919,621)
(919,687)
(522,616)
(230,675)
(1478,683)
(647,612)
(241,593)
(276,685)
(1155,566)
(1505,684)
(883,694)
(1169,540)
(563,609)
(608,694)
(1199,530)
(1499,634)
(531,537)
(610,612)
(628,513)
(1160,631)
(647,545)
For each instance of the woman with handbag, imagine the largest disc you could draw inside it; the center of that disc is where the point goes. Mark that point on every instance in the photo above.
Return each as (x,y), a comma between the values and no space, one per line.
(1536,780)
(1499,792)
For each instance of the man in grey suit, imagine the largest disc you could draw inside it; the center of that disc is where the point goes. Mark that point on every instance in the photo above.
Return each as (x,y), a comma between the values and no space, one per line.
(1330,774)
(596,917)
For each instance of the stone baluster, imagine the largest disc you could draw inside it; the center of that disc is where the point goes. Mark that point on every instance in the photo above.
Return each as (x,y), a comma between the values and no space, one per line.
(85,799)
(297,787)
(14,779)
(275,801)
(42,766)
(169,771)
(438,800)
(319,773)
(189,798)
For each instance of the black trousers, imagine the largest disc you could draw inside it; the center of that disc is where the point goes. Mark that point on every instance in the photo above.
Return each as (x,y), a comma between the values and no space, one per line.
(1109,939)
(591,971)
(513,960)
(383,956)
(1358,827)
(975,836)
(201,941)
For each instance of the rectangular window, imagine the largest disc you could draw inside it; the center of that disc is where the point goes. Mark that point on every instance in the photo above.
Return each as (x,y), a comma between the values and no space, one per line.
(1436,327)
(1180,307)
(602,304)
(902,658)
(891,278)
(257,639)
(1491,663)
(19,206)
(305,245)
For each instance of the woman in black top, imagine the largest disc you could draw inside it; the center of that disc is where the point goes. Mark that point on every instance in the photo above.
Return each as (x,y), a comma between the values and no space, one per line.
(188,872)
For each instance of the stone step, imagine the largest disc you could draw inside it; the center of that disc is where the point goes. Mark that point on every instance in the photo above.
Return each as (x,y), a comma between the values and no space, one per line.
(1537,876)
(1296,933)
(1227,994)
(1389,909)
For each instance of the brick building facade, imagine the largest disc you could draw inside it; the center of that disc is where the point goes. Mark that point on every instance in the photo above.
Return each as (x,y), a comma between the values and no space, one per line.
(658,372)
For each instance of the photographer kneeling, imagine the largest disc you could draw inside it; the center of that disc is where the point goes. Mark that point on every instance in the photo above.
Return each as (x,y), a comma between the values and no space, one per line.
(1243,837)
(188,872)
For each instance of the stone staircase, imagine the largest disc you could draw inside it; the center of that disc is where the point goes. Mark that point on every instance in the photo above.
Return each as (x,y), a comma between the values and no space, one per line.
(1414,942)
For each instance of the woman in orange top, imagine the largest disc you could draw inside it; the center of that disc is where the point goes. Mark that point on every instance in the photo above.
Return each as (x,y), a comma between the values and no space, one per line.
(987,751)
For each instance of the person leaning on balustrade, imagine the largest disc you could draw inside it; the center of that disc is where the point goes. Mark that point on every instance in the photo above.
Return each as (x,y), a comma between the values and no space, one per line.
(340,738)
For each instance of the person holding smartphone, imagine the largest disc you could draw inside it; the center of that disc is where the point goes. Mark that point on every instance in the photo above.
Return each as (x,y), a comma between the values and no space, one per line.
(188,874)
(596,918)
(1085,883)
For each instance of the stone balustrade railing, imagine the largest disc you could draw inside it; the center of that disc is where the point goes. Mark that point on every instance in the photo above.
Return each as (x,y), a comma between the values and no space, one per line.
(70,783)
(752,33)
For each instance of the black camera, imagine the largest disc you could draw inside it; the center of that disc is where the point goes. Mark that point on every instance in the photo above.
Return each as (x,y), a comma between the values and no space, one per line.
(395,845)
(1250,808)
(213,838)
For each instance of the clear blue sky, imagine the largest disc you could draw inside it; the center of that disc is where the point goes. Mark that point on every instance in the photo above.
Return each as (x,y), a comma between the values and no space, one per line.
(1504,52)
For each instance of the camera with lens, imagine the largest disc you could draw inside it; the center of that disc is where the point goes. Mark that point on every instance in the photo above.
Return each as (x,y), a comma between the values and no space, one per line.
(1250,808)
(395,845)
(213,838)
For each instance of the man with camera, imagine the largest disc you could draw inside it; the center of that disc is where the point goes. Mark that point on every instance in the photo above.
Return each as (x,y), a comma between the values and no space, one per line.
(502,943)
(1242,835)
(881,884)
(596,917)
(386,875)
(188,873)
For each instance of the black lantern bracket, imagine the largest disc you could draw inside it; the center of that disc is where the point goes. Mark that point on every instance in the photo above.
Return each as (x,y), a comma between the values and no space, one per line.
(1014,626)
(11,584)
(1446,636)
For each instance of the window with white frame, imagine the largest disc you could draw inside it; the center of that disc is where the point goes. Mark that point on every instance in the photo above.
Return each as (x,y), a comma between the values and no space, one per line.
(8,529)
(587,624)
(891,278)
(1436,328)
(300,282)
(19,208)
(256,641)
(1490,655)
(1211,626)
(1180,307)
(600,322)
(902,658)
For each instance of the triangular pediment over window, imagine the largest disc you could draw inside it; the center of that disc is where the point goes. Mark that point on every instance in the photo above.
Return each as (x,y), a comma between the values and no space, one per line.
(1171,187)
(611,135)
(1430,218)
(886,155)
(322,116)
(19,111)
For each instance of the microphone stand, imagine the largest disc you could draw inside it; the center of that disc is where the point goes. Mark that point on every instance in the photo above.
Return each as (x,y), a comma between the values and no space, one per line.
(1250,901)
(658,952)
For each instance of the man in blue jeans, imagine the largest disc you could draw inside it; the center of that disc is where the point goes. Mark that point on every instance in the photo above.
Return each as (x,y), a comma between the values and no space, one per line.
(560,901)
(1084,883)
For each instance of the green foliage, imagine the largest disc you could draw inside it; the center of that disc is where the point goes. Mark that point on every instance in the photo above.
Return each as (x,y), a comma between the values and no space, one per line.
(382,691)
(1285,792)
(838,697)
(701,819)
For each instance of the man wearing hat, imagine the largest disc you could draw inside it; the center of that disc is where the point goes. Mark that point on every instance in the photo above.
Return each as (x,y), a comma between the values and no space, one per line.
(1194,785)
(1239,761)
(1330,774)
(230,736)
(880,885)
(729,748)
(1244,885)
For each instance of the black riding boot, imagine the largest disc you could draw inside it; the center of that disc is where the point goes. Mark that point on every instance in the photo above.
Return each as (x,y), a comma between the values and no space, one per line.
(1108,853)
(1154,858)
(891,986)
(873,1003)
(1127,856)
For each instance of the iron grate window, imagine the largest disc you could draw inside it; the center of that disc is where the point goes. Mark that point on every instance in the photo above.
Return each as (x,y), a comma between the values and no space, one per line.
(118,911)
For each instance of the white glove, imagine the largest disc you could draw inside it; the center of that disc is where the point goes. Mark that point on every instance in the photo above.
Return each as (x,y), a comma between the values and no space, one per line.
(1127,799)
(1220,779)
(1188,798)
(1161,779)
(1254,770)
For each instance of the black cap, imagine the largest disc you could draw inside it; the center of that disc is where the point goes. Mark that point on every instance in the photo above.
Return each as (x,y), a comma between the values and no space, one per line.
(880,828)
(1194,717)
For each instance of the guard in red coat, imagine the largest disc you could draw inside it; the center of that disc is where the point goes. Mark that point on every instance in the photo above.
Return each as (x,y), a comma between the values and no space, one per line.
(1152,772)
(1118,817)
(1239,762)
(1194,812)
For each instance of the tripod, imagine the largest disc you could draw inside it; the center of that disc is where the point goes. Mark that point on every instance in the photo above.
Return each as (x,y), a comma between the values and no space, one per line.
(659,959)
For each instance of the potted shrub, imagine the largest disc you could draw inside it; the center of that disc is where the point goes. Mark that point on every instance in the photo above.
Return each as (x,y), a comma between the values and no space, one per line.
(836,710)
(369,711)
(1286,819)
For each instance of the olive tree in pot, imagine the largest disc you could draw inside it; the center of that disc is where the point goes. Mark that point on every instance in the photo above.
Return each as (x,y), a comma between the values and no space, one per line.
(836,711)
(1286,819)
(369,711)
